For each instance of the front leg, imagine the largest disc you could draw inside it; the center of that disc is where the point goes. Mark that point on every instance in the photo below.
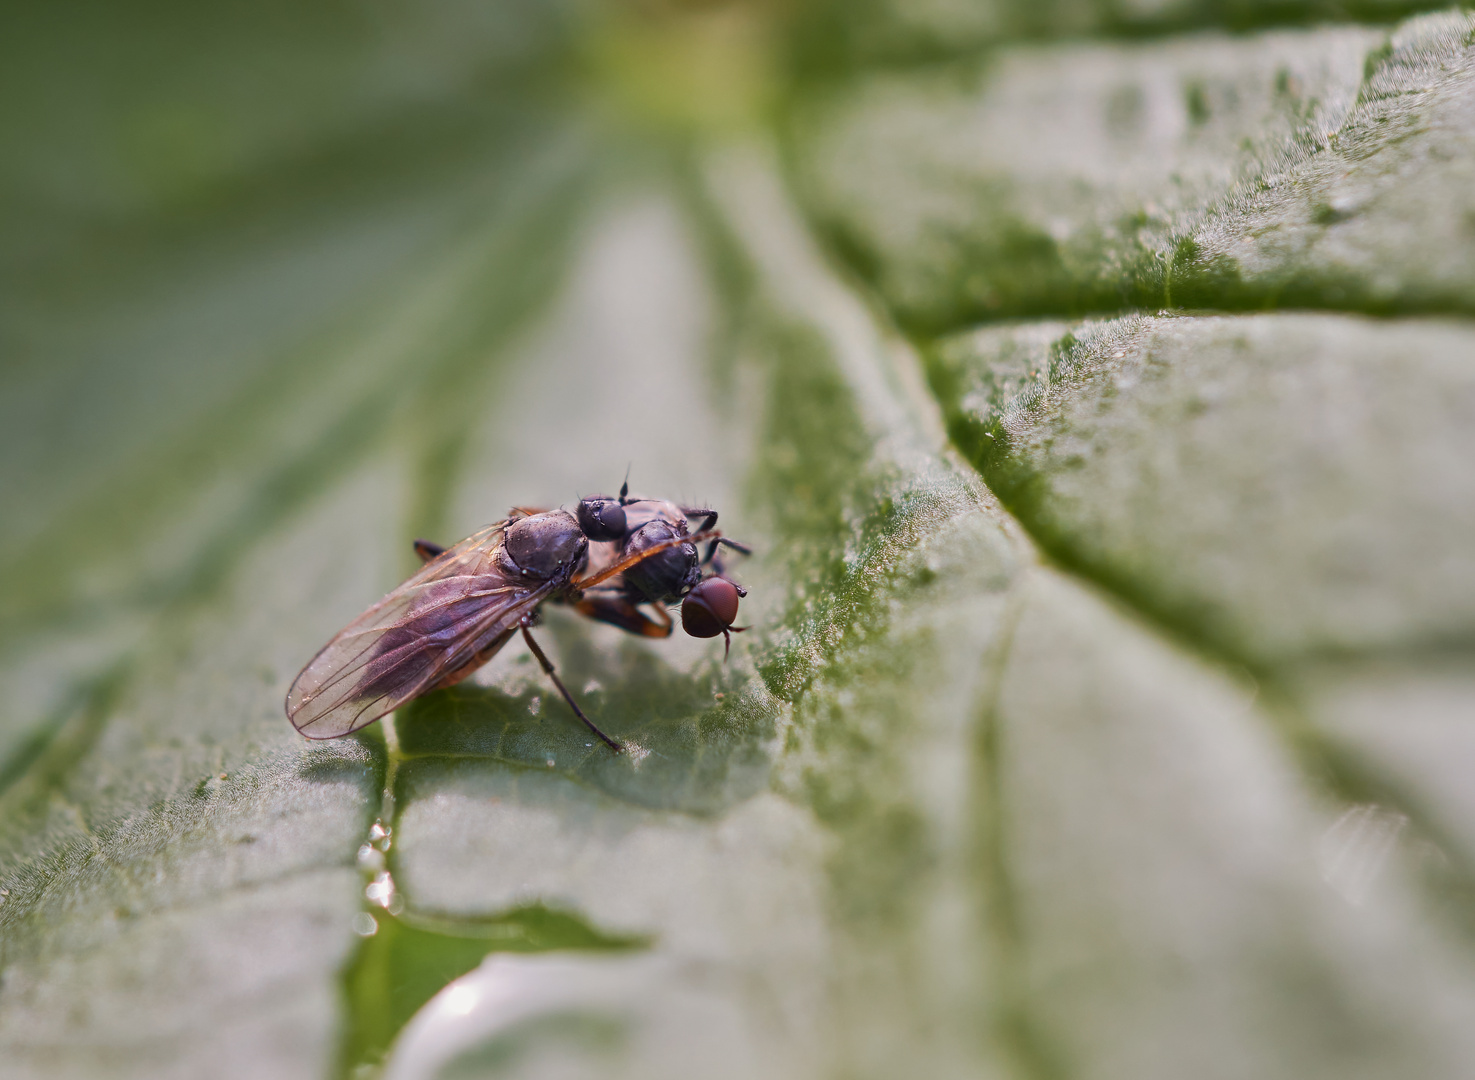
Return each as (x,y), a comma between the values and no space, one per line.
(709,521)
(722,541)
(709,516)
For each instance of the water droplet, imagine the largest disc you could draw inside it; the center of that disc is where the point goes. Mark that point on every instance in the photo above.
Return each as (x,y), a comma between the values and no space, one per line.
(364,925)
(381,890)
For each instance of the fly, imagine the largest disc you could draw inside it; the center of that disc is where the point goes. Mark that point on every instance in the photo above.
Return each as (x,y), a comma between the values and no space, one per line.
(608,560)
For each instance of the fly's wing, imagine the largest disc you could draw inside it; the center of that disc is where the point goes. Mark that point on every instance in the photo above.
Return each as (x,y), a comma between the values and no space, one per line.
(459,605)
(604,553)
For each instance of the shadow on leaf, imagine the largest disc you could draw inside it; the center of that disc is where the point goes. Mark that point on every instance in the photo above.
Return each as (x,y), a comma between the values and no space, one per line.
(695,742)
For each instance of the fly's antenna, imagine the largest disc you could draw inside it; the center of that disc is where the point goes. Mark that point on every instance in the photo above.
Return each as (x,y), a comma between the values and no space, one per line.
(625,485)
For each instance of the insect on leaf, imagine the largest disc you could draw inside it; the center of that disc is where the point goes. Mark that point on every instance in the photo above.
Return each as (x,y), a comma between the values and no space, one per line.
(450,617)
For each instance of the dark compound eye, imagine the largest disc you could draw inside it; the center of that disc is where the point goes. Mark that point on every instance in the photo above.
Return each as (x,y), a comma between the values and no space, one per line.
(710,608)
(602,518)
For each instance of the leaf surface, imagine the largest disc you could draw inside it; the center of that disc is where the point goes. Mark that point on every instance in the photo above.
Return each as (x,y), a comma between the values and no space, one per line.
(1104,706)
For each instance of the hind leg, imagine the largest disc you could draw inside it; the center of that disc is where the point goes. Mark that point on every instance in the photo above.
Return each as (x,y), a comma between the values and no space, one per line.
(626,616)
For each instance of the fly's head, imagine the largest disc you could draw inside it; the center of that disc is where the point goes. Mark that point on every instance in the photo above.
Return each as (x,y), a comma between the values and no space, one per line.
(711,607)
(602,518)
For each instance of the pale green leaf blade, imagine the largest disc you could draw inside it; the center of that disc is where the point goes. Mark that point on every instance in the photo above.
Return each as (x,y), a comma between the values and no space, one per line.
(1204,170)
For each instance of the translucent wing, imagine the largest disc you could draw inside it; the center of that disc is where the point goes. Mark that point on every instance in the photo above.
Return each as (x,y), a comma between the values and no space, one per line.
(455,613)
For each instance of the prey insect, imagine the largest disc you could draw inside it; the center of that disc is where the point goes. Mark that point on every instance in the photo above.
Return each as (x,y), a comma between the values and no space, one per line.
(608,560)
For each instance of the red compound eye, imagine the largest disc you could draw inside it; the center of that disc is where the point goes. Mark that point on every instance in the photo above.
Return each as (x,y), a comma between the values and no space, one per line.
(710,608)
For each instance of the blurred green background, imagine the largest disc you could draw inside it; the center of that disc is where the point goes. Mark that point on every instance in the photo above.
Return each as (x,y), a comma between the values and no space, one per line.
(1094,381)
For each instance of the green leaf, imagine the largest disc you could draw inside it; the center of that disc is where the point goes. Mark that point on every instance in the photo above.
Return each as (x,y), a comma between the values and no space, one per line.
(1275,169)
(1103,709)
(1283,485)
(853,34)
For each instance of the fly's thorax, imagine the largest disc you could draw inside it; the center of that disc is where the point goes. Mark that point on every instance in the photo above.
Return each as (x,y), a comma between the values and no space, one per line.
(545,546)
(641,512)
(670,574)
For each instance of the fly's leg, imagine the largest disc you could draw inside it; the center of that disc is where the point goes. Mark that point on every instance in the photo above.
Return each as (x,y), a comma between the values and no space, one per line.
(626,616)
(428,551)
(572,704)
(709,521)
(701,512)
(720,542)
